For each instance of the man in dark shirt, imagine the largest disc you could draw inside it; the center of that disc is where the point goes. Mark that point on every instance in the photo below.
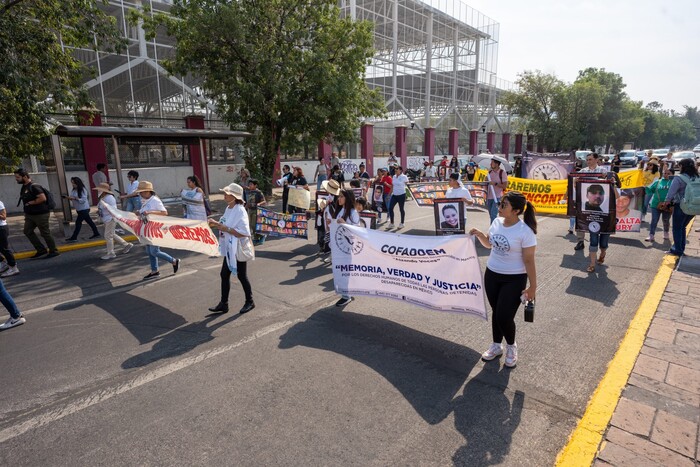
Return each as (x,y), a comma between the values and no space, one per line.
(36,214)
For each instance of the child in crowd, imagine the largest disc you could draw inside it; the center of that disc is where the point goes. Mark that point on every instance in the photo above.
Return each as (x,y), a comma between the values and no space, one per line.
(253,198)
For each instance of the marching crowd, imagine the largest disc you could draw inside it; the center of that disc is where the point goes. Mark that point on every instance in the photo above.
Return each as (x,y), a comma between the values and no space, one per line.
(510,277)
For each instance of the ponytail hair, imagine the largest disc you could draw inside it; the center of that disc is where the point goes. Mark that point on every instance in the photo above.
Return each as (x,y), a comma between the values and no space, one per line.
(518,202)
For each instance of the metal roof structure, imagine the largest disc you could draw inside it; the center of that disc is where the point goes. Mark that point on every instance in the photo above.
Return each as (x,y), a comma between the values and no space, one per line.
(166,133)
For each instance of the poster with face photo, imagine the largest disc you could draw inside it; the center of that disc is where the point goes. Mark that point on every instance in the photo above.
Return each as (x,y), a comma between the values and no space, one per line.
(368,220)
(573,179)
(629,210)
(595,206)
(442,172)
(378,197)
(449,216)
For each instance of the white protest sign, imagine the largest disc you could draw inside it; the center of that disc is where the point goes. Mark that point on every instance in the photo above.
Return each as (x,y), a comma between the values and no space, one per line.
(170,232)
(439,273)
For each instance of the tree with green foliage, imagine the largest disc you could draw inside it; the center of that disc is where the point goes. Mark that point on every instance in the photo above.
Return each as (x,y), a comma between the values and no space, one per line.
(38,75)
(537,102)
(286,70)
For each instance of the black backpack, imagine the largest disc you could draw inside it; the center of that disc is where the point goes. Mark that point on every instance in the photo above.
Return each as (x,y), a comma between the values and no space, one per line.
(50,202)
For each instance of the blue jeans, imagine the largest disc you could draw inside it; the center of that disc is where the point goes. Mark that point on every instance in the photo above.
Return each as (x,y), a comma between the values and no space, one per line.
(321,178)
(655,215)
(154,253)
(647,199)
(492,206)
(680,222)
(597,238)
(133,204)
(7,301)
(572,223)
(387,200)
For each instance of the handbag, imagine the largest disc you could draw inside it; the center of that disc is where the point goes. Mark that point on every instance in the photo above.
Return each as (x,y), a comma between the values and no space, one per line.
(245,251)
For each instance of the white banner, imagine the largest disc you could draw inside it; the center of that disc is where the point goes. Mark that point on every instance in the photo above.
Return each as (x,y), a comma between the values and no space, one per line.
(439,273)
(169,232)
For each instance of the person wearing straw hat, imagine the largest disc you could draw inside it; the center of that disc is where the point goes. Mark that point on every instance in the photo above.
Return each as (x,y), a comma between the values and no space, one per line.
(108,196)
(232,226)
(151,205)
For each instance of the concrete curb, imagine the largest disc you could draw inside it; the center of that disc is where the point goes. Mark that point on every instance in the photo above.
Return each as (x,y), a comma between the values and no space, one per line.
(584,442)
(73,247)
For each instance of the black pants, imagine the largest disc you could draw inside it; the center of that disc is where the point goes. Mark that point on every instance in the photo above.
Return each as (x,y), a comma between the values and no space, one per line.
(5,246)
(83,215)
(285,197)
(503,292)
(400,200)
(242,277)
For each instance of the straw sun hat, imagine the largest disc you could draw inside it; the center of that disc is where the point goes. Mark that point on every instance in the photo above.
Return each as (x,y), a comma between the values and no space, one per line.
(331,186)
(104,188)
(234,189)
(144,186)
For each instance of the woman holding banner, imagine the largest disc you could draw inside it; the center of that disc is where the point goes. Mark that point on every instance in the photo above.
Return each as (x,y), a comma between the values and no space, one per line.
(232,226)
(151,205)
(347,215)
(193,199)
(510,266)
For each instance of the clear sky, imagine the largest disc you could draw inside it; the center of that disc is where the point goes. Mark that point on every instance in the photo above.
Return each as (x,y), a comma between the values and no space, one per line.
(653,44)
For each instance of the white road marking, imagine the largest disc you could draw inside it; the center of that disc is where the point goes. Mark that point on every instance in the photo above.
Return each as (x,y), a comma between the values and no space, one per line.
(124,288)
(102,395)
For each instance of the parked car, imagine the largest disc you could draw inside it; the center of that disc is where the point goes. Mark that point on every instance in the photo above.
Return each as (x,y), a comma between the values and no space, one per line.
(680,155)
(628,158)
(582,155)
(661,152)
(696,148)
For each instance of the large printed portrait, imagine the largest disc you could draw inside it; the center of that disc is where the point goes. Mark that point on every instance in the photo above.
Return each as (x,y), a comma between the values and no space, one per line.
(449,216)
(596,197)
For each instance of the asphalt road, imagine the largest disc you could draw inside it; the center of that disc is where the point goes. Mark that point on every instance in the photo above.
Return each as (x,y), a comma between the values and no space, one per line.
(109,370)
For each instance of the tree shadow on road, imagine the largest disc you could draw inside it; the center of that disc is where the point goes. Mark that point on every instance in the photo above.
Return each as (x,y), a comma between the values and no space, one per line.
(486,418)
(179,341)
(300,259)
(428,371)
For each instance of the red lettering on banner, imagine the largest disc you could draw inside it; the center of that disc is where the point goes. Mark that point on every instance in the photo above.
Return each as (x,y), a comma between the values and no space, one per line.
(197,234)
(152,229)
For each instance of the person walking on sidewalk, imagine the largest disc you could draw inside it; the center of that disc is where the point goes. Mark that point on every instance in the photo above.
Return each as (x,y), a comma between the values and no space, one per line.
(79,199)
(16,317)
(656,193)
(510,266)
(106,195)
(688,173)
(36,215)
(133,200)
(9,264)
(233,226)
(151,205)
(398,196)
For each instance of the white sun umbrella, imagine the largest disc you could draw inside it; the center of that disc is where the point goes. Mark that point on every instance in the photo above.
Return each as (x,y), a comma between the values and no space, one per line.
(483,160)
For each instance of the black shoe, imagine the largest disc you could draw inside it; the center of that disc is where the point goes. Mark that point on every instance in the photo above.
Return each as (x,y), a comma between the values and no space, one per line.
(151,275)
(39,254)
(247,307)
(97,235)
(343,301)
(220,308)
(53,254)
(579,245)
(176,266)
(71,240)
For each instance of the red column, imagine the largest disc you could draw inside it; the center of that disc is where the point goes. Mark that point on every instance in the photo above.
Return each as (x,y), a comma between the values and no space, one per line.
(505,144)
(401,148)
(474,142)
(518,144)
(453,142)
(491,141)
(367,146)
(94,151)
(196,122)
(429,144)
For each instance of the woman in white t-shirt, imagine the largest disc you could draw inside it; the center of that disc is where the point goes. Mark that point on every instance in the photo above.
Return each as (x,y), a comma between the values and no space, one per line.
(233,226)
(398,196)
(151,205)
(347,215)
(510,266)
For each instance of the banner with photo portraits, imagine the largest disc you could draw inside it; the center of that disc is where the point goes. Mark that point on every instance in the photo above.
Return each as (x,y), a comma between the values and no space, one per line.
(277,224)
(426,193)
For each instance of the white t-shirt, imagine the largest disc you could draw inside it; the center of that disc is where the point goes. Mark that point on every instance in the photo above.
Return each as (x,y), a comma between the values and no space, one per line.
(235,218)
(399,184)
(104,214)
(459,193)
(2,221)
(132,187)
(152,204)
(431,172)
(353,218)
(507,245)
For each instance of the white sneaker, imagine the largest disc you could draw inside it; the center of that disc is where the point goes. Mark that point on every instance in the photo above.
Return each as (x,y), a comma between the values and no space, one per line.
(109,256)
(12,322)
(390,226)
(4,266)
(650,238)
(511,355)
(13,271)
(127,248)
(496,350)
(401,225)
(667,236)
